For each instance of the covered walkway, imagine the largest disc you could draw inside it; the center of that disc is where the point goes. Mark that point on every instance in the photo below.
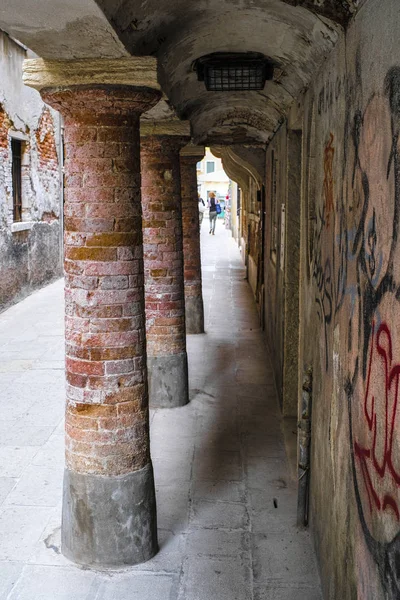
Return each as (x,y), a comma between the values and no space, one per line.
(226,499)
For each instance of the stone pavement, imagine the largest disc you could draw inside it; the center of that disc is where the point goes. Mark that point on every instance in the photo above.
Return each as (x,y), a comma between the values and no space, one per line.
(226,502)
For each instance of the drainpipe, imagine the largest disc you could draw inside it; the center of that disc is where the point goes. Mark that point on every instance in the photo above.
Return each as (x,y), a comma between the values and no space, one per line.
(304,441)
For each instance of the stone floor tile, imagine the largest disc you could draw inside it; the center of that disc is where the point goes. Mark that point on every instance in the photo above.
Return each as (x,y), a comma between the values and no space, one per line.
(18,433)
(274,511)
(254,390)
(51,453)
(224,440)
(264,446)
(9,575)
(172,470)
(172,506)
(6,379)
(38,486)
(13,459)
(216,578)
(261,472)
(279,558)
(15,365)
(162,446)
(294,593)
(214,542)
(118,586)
(47,364)
(20,529)
(6,485)
(48,583)
(47,550)
(219,515)
(44,412)
(253,376)
(218,466)
(218,491)
(172,550)
(14,403)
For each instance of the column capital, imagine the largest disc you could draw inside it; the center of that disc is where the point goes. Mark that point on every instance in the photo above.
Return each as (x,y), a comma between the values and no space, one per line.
(100,103)
(172,127)
(137,71)
(190,152)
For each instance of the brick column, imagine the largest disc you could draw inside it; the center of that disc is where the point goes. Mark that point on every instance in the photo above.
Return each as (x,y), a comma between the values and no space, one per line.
(109,511)
(163,265)
(191,245)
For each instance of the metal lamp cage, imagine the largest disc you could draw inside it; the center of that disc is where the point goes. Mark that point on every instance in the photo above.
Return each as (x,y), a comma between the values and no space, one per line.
(234,73)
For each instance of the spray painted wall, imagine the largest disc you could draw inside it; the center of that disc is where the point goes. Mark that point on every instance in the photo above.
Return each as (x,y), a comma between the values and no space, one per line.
(29,249)
(349,303)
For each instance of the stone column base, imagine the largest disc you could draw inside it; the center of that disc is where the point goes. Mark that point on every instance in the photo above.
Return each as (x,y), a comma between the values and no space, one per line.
(194,314)
(109,521)
(168,380)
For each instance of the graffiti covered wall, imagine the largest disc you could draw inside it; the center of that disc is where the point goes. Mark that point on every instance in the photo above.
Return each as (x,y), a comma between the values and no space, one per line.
(351,296)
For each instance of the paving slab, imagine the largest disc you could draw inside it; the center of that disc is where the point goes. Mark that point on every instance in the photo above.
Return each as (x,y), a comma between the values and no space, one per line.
(139,587)
(54,583)
(222,578)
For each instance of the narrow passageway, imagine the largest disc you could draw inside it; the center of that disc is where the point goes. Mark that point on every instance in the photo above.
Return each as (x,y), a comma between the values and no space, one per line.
(226,502)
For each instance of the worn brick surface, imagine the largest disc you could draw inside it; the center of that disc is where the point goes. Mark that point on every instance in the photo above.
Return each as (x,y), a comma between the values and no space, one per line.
(163,250)
(31,258)
(191,226)
(107,404)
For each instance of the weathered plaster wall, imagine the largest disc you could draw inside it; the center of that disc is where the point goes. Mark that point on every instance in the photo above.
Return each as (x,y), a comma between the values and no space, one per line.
(276,193)
(252,237)
(350,306)
(29,251)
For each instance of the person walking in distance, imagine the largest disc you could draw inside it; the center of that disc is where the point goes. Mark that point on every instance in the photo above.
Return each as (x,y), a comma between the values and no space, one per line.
(202,208)
(212,204)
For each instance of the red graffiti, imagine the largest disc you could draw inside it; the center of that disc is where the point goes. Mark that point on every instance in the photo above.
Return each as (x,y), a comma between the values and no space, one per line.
(380,410)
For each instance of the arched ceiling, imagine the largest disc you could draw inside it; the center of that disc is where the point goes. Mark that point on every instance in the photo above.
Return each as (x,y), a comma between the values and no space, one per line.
(178,32)
(295,34)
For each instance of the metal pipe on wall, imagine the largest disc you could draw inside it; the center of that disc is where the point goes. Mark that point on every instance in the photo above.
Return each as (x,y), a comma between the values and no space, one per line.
(304,442)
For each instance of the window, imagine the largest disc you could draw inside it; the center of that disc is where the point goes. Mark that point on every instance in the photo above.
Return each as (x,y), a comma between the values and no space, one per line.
(199,166)
(16,152)
(210,167)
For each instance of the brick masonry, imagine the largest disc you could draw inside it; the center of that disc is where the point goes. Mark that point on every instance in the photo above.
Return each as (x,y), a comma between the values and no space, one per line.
(163,250)
(107,403)
(191,245)
(30,258)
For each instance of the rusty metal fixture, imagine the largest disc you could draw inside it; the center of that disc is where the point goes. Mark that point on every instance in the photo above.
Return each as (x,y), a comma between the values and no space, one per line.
(304,442)
(227,72)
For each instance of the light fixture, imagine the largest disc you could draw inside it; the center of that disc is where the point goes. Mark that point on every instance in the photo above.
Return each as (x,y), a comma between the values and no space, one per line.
(230,72)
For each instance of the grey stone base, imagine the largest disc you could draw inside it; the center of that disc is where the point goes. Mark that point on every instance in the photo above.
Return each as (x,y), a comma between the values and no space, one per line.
(168,380)
(109,521)
(194,314)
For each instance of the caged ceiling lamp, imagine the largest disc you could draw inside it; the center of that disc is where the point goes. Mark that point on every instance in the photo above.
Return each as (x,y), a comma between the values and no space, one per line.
(234,72)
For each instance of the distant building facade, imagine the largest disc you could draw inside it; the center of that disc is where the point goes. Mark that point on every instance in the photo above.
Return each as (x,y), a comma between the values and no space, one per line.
(30,182)
(211,176)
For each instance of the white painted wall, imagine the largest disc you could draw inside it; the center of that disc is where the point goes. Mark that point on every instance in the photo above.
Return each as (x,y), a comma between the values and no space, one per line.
(217,182)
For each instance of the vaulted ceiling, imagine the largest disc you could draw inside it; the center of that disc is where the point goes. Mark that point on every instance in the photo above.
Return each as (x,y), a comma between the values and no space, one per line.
(295,34)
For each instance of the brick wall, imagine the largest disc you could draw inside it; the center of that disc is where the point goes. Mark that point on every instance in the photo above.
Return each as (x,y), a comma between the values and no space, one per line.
(29,258)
